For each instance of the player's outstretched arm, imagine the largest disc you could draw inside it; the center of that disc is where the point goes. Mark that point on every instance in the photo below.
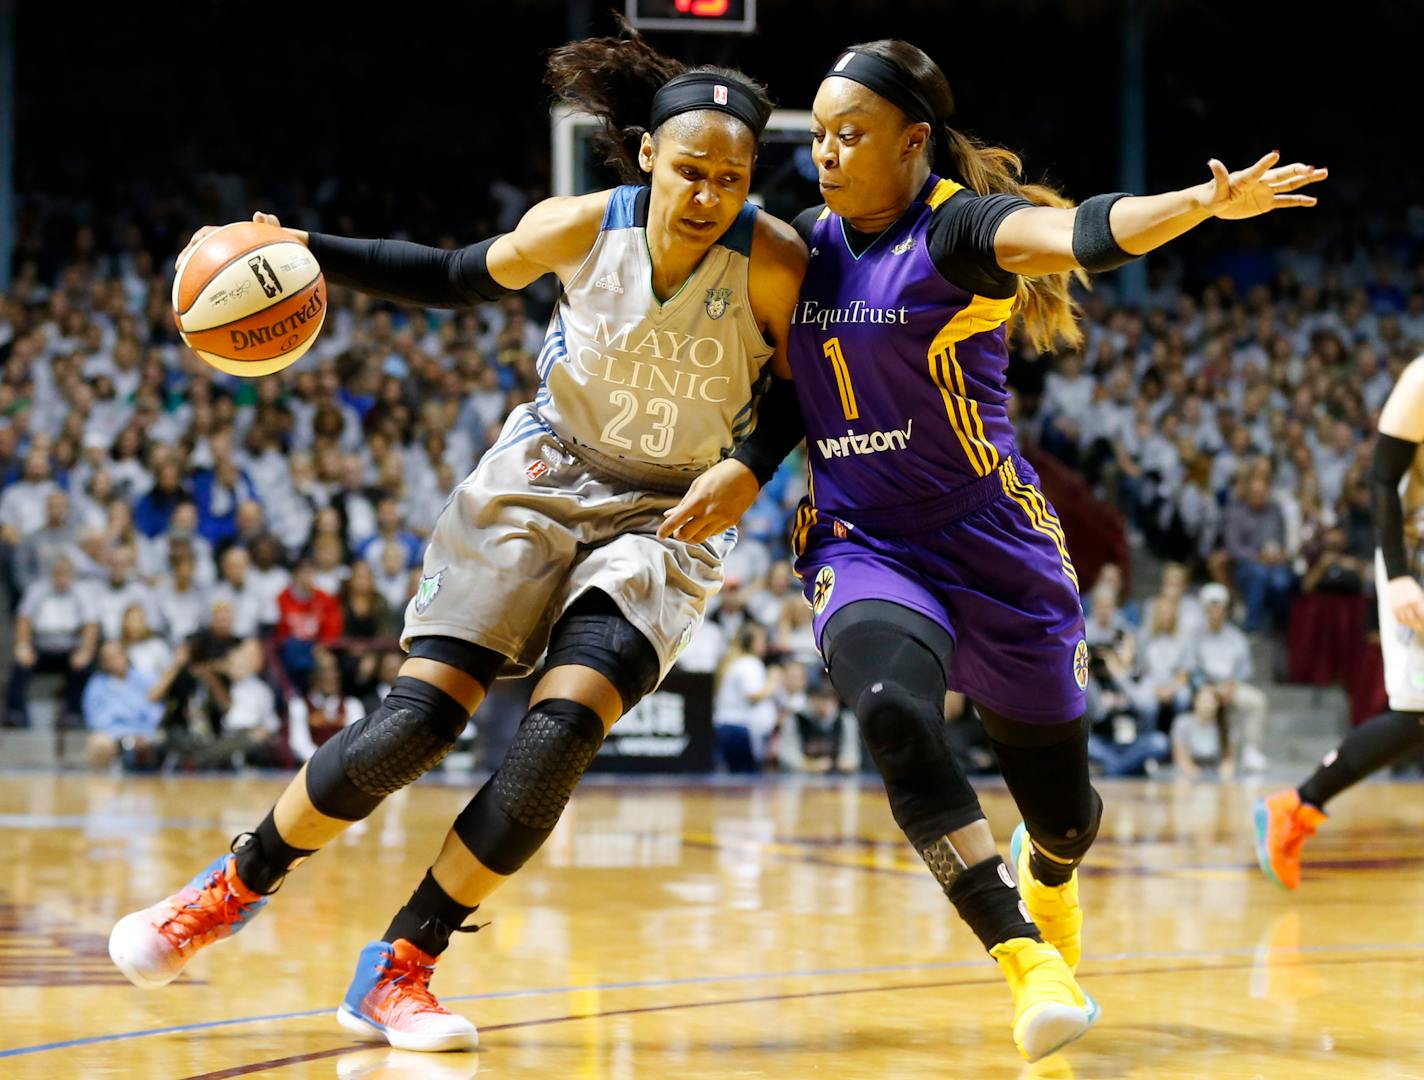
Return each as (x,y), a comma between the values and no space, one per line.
(1107,231)
(553,237)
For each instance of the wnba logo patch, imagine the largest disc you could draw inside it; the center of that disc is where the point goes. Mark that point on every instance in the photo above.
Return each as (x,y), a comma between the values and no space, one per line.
(825,585)
(1080,665)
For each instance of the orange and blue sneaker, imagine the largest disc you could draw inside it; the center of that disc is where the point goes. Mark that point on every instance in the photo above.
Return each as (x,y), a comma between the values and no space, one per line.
(1055,909)
(390,999)
(151,946)
(1283,825)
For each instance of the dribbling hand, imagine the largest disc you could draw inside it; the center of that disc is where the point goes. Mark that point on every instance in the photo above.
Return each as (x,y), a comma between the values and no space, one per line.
(1406,599)
(207,230)
(1259,189)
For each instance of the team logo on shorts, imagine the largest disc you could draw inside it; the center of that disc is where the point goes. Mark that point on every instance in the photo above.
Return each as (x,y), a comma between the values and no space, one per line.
(425,592)
(1080,665)
(825,585)
(716,302)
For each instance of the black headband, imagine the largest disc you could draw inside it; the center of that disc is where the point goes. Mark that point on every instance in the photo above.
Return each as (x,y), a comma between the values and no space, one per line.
(706,90)
(888,80)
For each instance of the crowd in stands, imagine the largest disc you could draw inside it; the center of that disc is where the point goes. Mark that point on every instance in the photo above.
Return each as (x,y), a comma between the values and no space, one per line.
(216,569)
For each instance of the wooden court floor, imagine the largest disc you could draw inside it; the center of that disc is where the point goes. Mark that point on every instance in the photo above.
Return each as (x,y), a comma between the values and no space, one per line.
(782,930)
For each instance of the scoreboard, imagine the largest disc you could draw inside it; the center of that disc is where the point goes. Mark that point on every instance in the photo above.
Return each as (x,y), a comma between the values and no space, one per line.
(726,16)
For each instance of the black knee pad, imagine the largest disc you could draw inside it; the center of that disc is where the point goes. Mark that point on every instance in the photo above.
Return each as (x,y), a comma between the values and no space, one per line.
(901,730)
(929,793)
(521,803)
(594,633)
(1046,769)
(410,733)
(481,664)
(874,640)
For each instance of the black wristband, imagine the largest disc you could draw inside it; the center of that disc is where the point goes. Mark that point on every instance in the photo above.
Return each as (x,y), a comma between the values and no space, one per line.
(1392,459)
(778,430)
(1094,246)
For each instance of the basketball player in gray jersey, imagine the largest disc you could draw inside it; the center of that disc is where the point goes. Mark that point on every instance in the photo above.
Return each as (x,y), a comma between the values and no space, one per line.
(657,364)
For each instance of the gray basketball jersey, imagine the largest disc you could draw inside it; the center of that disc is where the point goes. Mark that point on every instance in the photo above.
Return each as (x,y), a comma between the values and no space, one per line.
(655,392)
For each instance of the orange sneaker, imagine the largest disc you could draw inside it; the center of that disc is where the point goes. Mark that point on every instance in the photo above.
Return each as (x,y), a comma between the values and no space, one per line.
(1283,825)
(151,946)
(390,999)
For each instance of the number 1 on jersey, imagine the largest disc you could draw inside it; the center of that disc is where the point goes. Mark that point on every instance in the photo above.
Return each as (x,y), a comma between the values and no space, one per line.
(843,383)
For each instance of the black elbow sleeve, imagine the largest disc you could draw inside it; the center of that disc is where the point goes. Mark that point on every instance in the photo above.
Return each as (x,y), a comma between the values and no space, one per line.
(1392,460)
(778,430)
(1094,245)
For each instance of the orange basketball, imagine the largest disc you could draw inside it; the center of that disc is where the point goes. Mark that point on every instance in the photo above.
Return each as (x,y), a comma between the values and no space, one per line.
(249,299)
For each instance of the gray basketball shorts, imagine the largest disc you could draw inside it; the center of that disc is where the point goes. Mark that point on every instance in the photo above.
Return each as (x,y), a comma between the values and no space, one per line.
(531,530)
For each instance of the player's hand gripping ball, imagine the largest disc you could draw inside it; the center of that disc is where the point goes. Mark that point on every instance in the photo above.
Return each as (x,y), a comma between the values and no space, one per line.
(249,298)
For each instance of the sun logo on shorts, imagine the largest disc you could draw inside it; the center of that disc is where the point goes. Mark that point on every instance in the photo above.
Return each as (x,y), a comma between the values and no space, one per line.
(427,589)
(825,585)
(716,302)
(1080,665)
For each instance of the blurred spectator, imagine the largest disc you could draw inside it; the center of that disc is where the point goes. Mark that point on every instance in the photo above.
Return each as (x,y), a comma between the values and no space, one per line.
(393,576)
(1224,665)
(269,577)
(819,735)
(181,604)
(55,632)
(118,711)
(217,492)
(1121,740)
(38,549)
(795,637)
(308,618)
(120,591)
(251,728)
(1176,581)
(1201,737)
(744,709)
(22,504)
(766,603)
(1334,569)
(239,592)
(318,714)
(1165,664)
(390,533)
(1254,536)
(154,511)
(147,652)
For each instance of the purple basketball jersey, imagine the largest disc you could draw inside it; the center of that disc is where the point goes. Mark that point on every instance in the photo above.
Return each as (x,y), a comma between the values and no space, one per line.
(900,374)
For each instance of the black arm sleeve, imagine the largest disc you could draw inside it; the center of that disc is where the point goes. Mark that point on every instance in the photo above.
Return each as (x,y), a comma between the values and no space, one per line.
(409,273)
(778,430)
(962,242)
(1392,460)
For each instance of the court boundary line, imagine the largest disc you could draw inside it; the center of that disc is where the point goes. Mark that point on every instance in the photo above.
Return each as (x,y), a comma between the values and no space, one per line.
(701,980)
(603,1014)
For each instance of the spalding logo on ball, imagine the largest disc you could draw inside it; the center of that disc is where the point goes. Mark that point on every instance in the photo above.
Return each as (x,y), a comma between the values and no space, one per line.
(249,299)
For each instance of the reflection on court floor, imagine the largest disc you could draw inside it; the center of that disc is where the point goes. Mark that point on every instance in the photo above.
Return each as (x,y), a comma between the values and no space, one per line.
(777,930)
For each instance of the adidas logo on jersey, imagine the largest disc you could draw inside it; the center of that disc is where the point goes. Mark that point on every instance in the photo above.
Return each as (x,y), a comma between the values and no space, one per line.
(610,282)
(908,244)
(850,444)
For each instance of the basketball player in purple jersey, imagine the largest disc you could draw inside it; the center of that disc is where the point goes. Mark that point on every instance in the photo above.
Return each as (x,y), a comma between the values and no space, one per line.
(929,555)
